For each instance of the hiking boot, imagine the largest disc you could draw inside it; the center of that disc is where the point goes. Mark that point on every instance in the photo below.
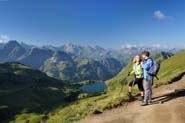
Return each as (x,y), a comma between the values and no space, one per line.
(144,103)
(149,102)
(141,98)
(129,96)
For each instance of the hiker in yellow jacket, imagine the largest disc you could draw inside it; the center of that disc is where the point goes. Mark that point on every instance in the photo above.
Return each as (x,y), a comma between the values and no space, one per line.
(138,77)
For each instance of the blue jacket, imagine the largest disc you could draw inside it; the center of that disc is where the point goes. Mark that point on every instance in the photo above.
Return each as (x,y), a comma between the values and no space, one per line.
(146,67)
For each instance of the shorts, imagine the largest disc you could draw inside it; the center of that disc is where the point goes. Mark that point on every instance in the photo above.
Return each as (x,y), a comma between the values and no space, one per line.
(139,82)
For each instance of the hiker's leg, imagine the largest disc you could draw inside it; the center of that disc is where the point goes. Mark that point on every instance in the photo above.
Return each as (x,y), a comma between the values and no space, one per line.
(130,90)
(140,86)
(147,90)
(141,89)
(142,93)
(130,86)
(150,93)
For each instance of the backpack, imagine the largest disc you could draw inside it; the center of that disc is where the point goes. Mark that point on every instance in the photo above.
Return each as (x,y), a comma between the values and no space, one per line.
(153,71)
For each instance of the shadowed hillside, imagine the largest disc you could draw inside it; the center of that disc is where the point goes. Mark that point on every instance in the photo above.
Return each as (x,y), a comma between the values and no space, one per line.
(26,91)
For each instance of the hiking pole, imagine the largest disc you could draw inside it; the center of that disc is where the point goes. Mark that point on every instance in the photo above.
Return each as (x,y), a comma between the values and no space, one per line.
(157,77)
(133,83)
(123,83)
(121,88)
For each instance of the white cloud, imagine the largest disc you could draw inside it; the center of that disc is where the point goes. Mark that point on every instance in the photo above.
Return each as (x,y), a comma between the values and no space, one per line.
(128,45)
(142,46)
(160,15)
(4,38)
(156,45)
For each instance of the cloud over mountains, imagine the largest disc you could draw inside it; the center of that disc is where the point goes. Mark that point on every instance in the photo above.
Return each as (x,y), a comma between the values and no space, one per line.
(4,38)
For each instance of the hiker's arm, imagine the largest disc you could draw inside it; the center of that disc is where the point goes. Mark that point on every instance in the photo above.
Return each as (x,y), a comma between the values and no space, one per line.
(147,65)
(140,71)
(132,72)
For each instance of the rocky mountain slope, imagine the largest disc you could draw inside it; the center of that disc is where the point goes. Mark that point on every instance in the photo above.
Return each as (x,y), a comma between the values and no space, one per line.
(60,64)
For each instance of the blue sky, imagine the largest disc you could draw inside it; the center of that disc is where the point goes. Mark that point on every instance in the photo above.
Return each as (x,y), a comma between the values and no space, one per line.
(108,23)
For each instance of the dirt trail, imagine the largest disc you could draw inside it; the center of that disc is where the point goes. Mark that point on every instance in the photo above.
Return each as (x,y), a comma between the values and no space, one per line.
(171,111)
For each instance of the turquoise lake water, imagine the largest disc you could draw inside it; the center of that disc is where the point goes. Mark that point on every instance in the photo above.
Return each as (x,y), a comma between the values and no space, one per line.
(94,87)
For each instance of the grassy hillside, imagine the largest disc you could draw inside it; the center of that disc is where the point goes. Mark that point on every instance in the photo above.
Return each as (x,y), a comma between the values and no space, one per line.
(170,69)
(28,95)
(16,74)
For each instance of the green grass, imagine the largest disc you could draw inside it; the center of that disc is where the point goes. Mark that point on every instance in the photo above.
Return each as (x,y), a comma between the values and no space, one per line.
(30,118)
(83,107)
(171,68)
(38,101)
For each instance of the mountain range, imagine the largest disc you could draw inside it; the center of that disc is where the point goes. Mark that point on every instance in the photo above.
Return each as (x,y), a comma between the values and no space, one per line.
(71,62)
(58,63)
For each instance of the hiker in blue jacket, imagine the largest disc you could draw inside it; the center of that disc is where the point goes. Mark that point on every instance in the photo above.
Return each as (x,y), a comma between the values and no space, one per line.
(146,65)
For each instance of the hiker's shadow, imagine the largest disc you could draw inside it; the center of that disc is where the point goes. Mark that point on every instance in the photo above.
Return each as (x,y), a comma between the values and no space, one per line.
(170,96)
